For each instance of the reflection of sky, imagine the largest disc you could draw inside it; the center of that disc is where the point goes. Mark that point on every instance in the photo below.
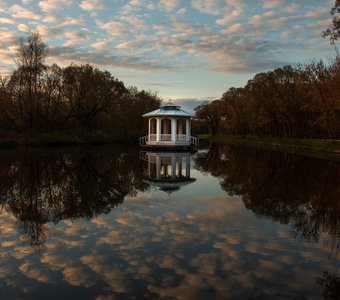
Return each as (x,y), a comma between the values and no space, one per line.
(199,243)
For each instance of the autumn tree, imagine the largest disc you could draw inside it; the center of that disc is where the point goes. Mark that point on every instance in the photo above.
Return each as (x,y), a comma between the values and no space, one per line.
(89,92)
(212,113)
(289,102)
(238,108)
(129,110)
(279,99)
(322,100)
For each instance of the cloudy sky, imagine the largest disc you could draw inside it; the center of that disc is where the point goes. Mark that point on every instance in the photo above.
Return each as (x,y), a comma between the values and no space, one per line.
(184,49)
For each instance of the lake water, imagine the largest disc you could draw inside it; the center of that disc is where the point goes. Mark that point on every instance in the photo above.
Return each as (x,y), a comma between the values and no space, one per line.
(117,223)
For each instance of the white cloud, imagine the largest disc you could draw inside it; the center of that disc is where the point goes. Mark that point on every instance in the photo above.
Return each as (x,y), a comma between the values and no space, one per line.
(169,5)
(73,22)
(68,21)
(135,2)
(235,28)
(92,5)
(114,28)
(229,17)
(3,7)
(74,37)
(100,45)
(48,32)
(7,21)
(23,27)
(51,18)
(198,33)
(256,21)
(8,38)
(268,4)
(212,7)
(286,35)
(317,12)
(130,45)
(52,5)
(182,10)
(135,21)
(293,8)
(20,12)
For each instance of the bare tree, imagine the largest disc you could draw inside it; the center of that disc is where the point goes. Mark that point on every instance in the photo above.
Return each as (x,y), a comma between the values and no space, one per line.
(30,57)
(333,30)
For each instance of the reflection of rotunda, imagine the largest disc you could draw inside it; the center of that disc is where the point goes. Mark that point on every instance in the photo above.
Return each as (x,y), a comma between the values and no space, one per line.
(168,171)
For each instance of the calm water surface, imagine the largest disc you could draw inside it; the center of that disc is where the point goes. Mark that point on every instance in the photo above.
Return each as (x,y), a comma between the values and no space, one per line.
(116,223)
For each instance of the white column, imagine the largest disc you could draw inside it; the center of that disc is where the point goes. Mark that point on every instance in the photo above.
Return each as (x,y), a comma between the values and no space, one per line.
(158,129)
(187,130)
(173,129)
(149,128)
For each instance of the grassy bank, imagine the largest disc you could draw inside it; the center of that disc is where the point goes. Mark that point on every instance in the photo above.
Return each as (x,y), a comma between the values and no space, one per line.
(94,138)
(310,147)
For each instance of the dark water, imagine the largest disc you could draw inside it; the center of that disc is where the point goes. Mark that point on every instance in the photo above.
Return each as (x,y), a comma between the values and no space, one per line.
(114,223)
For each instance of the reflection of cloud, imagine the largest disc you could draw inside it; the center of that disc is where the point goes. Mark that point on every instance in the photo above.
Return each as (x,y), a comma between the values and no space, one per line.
(112,275)
(201,248)
(4,271)
(73,273)
(78,276)
(27,268)
(112,237)
(101,221)
(8,243)
(105,297)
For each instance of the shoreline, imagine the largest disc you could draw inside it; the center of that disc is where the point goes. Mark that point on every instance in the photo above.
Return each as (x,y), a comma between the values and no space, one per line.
(64,140)
(326,149)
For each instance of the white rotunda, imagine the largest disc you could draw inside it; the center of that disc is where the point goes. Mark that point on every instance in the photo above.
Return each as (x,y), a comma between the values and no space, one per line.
(169,127)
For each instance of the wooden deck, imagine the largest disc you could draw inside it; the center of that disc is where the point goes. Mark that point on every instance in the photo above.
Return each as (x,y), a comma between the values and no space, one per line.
(169,148)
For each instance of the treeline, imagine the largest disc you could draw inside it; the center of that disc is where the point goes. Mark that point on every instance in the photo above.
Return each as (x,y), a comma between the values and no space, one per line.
(290,102)
(79,100)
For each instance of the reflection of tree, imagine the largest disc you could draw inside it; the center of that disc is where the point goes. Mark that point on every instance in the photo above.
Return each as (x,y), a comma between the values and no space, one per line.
(286,187)
(211,161)
(41,186)
(331,285)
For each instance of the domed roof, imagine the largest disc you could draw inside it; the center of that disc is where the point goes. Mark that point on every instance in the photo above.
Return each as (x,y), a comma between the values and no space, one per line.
(169,110)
